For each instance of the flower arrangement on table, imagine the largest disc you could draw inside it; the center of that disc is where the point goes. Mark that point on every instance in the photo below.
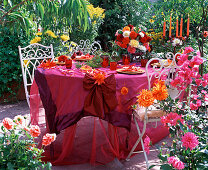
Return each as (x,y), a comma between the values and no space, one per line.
(133,40)
(186,119)
(18,148)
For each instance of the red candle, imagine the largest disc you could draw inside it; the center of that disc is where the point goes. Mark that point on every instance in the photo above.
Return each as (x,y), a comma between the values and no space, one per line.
(170,26)
(113,65)
(105,62)
(164,29)
(181,26)
(68,63)
(188,23)
(177,27)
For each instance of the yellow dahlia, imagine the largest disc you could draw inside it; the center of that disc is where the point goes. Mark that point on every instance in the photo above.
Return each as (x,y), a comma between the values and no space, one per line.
(35,40)
(64,37)
(134,43)
(49,32)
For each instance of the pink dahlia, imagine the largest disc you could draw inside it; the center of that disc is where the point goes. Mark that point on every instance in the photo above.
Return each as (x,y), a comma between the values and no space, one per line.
(175,162)
(147,144)
(193,106)
(190,140)
(204,83)
(131,49)
(188,50)
(172,119)
(198,82)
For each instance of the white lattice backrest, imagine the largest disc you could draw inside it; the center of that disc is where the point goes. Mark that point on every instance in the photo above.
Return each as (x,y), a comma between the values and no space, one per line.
(85,46)
(30,57)
(164,68)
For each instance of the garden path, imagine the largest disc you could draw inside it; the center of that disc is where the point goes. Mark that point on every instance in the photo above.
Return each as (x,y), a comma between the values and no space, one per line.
(136,163)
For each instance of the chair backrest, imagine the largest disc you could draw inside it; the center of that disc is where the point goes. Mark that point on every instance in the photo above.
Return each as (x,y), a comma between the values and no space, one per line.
(30,57)
(85,46)
(163,68)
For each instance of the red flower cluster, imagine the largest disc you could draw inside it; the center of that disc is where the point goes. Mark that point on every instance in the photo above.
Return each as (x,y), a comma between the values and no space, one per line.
(129,38)
(47,64)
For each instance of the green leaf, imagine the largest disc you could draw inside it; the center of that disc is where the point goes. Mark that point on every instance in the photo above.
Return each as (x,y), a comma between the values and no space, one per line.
(166,167)
(5,3)
(41,10)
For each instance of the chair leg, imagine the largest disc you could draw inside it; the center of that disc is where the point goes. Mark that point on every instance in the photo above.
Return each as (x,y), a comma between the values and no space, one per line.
(145,154)
(137,142)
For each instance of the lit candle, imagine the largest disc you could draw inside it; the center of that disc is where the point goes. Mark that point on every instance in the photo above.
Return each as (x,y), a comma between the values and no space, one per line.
(177,27)
(170,26)
(181,28)
(164,29)
(188,22)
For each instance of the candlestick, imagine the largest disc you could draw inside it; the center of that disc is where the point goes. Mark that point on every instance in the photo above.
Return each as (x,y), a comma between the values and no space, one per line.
(181,26)
(188,22)
(177,27)
(164,29)
(170,26)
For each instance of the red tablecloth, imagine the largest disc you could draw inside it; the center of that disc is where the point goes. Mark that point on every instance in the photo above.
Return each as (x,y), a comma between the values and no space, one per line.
(91,139)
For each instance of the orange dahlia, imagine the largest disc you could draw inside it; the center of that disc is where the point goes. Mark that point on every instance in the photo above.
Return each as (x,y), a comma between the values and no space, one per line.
(126,28)
(124,90)
(159,91)
(145,98)
(99,77)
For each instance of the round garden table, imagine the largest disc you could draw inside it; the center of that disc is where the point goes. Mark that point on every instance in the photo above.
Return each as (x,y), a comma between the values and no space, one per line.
(84,137)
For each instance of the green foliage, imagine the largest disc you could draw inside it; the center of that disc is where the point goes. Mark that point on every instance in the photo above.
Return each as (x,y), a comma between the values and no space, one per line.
(10,69)
(53,15)
(97,15)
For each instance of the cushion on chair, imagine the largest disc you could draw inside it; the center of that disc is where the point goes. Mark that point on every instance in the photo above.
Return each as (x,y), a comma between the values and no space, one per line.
(151,114)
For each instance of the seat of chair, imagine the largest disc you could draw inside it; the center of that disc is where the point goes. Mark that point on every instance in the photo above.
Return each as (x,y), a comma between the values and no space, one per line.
(151,114)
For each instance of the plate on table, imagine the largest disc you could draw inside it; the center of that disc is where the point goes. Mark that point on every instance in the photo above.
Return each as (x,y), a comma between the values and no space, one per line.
(166,63)
(123,71)
(83,58)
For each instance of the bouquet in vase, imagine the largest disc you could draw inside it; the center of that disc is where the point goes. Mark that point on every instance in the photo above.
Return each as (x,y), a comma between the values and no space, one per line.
(134,40)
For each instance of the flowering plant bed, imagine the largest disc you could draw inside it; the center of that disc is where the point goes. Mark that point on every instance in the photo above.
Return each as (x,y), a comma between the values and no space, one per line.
(18,148)
(187,118)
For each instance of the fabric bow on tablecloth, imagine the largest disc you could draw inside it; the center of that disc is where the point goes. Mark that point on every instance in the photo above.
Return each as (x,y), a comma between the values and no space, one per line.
(102,98)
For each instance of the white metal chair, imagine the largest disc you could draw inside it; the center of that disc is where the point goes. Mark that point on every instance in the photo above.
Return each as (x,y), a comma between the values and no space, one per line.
(152,114)
(85,46)
(30,57)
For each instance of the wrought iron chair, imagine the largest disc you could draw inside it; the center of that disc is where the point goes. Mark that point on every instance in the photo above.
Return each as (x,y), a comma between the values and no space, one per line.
(30,57)
(85,46)
(152,113)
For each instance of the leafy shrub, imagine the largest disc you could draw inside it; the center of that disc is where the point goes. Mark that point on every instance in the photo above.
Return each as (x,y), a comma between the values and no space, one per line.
(10,68)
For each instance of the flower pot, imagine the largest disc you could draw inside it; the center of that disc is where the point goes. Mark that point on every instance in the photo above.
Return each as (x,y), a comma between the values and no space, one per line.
(144,62)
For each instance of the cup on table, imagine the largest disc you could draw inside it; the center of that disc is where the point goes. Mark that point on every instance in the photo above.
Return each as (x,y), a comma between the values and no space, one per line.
(105,62)
(68,63)
(126,59)
(113,65)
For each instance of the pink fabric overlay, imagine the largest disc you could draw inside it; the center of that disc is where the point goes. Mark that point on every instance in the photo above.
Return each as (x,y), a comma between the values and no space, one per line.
(84,138)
